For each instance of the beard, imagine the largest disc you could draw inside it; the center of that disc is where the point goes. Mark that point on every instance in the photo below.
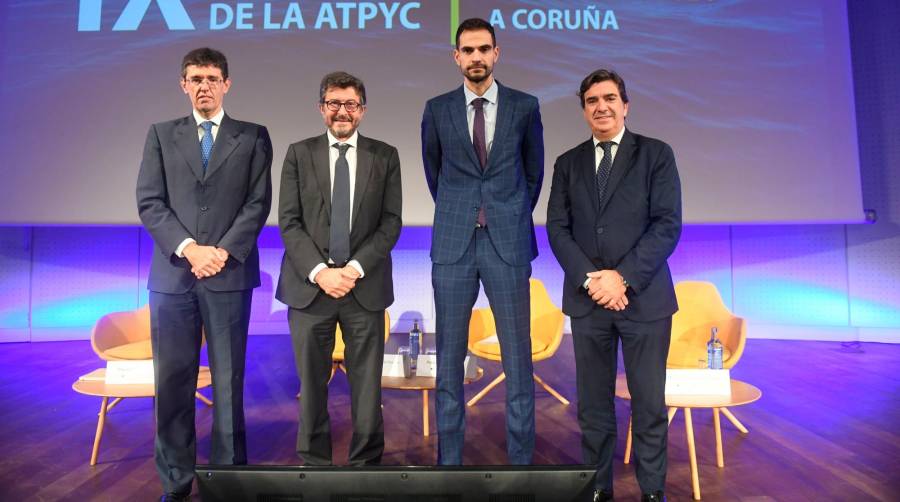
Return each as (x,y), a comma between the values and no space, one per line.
(477,78)
(342,129)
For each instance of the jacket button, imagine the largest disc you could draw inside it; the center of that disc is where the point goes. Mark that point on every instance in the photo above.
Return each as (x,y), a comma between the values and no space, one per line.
(600,231)
(204,208)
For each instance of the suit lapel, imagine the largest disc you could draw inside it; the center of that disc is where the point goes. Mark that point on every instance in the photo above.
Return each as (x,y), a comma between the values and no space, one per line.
(226,141)
(188,143)
(620,167)
(506,109)
(588,172)
(319,153)
(364,165)
(458,110)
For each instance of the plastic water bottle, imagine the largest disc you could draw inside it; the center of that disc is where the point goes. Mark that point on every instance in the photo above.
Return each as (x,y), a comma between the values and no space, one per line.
(415,340)
(714,350)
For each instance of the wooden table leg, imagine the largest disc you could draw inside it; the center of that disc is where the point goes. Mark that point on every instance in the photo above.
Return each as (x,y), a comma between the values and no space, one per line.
(737,423)
(628,442)
(101,420)
(425,431)
(114,403)
(720,456)
(205,400)
(692,452)
(672,411)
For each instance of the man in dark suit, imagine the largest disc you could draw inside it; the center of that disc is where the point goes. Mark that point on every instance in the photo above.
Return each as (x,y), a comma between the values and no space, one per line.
(613,219)
(340,216)
(483,151)
(203,192)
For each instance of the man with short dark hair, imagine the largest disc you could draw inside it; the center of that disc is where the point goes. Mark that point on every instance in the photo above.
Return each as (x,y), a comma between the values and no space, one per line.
(340,216)
(483,152)
(203,193)
(613,219)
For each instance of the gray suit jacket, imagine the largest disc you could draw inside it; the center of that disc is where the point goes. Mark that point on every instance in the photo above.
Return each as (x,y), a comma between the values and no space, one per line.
(304,217)
(227,207)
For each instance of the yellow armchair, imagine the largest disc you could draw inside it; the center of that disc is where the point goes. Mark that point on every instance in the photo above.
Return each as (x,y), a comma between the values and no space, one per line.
(121,336)
(547,322)
(700,308)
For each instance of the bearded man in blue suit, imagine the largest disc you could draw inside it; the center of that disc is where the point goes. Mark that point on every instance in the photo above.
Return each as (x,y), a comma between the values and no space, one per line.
(483,152)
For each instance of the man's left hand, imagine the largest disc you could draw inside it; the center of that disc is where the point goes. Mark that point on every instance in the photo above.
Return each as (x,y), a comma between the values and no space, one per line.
(607,288)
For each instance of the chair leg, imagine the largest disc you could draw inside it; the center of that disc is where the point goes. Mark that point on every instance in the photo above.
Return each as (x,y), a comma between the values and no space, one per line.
(114,403)
(672,412)
(501,377)
(737,423)
(551,390)
(205,400)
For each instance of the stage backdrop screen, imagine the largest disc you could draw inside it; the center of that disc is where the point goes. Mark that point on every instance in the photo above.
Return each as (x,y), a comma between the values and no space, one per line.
(755,96)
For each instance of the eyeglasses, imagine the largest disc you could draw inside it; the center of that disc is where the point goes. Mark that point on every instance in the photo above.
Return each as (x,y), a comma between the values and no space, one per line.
(212,82)
(335,105)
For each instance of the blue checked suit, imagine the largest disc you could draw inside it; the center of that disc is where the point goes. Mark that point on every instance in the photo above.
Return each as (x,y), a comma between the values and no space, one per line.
(499,256)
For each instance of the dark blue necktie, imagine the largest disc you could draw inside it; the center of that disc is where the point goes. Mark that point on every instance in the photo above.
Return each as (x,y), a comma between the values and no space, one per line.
(478,140)
(604,168)
(206,143)
(339,243)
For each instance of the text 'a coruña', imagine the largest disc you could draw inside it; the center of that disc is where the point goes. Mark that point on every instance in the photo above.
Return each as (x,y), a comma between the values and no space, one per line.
(329,16)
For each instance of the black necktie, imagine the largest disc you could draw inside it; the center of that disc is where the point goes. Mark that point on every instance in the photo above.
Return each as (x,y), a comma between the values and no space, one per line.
(339,243)
(604,168)
(478,140)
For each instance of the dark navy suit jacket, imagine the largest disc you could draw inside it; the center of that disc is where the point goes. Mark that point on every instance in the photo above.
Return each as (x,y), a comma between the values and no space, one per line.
(227,207)
(633,229)
(507,188)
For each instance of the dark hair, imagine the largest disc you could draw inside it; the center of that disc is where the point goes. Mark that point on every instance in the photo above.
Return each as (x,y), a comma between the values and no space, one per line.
(602,75)
(342,80)
(205,56)
(475,24)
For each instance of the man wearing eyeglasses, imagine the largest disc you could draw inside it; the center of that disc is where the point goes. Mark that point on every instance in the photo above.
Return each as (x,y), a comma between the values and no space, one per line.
(339,215)
(203,192)
(483,151)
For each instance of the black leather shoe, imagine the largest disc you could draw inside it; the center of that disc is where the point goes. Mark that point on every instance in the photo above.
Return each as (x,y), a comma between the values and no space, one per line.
(603,496)
(653,497)
(176,497)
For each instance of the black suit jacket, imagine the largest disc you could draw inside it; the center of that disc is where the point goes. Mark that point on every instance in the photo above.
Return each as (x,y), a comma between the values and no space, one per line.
(304,216)
(633,229)
(227,207)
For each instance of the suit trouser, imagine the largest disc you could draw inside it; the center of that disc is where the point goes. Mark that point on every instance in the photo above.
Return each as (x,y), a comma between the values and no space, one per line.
(645,347)
(177,322)
(312,334)
(455,291)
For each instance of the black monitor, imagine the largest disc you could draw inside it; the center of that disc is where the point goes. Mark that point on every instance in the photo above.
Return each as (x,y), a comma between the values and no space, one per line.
(396,484)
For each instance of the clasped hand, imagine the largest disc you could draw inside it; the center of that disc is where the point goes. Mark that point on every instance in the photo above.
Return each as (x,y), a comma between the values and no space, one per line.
(206,261)
(607,289)
(337,282)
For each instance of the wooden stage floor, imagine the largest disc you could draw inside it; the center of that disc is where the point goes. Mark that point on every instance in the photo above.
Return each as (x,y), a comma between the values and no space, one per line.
(827,426)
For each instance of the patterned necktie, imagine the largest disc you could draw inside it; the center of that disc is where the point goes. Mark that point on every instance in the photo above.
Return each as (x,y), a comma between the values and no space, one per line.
(339,243)
(604,168)
(206,143)
(478,140)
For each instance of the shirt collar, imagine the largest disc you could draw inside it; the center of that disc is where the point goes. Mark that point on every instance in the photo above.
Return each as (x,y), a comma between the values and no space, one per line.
(350,141)
(617,139)
(490,94)
(216,119)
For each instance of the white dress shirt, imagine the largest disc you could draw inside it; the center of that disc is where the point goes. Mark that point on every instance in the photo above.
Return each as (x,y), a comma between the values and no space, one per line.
(490,112)
(217,121)
(333,155)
